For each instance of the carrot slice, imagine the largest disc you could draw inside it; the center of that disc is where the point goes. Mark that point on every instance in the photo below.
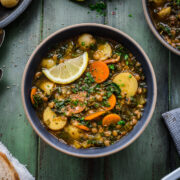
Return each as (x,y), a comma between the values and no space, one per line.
(99,71)
(85,128)
(33,92)
(112,102)
(110,119)
(94,115)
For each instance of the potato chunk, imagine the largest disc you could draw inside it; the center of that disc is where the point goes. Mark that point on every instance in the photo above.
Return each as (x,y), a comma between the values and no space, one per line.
(164,12)
(85,41)
(53,121)
(46,86)
(48,63)
(73,131)
(127,83)
(9,3)
(104,52)
(158,2)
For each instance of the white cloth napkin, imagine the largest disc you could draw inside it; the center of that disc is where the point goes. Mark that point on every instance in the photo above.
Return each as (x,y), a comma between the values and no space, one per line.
(21,169)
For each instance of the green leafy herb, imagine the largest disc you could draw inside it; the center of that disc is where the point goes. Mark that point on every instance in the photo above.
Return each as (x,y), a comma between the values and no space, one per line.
(165,28)
(60,104)
(89,78)
(37,100)
(93,46)
(126,56)
(91,141)
(121,122)
(74,90)
(111,66)
(75,102)
(109,94)
(113,88)
(59,90)
(99,7)
(177,2)
(96,105)
(106,103)
(83,43)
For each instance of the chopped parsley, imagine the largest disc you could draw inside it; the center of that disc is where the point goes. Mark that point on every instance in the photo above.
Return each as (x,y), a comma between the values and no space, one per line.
(37,100)
(99,7)
(111,66)
(89,78)
(121,122)
(113,88)
(60,104)
(83,43)
(126,56)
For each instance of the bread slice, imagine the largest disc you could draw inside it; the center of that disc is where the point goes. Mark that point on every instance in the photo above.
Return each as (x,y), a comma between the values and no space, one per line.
(7,171)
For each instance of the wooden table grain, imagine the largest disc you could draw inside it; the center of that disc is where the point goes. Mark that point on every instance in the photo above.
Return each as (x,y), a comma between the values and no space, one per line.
(150,157)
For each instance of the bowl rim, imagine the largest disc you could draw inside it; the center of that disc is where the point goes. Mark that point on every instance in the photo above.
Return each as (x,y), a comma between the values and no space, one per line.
(113,150)
(154,30)
(17,12)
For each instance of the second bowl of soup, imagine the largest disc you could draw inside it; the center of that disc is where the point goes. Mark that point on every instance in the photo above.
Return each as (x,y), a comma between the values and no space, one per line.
(163,17)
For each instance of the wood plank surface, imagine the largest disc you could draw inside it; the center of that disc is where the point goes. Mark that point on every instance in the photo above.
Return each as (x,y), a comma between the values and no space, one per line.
(150,157)
(174,102)
(22,37)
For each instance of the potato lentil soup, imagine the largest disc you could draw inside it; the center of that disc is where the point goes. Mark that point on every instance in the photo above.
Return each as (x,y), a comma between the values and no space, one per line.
(166,17)
(89,91)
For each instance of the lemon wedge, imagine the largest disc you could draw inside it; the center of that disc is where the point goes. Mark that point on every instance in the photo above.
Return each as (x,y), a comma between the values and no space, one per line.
(69,71)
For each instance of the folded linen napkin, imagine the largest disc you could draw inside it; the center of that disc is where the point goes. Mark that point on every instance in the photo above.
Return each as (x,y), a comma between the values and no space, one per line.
(172,120)
(21,170)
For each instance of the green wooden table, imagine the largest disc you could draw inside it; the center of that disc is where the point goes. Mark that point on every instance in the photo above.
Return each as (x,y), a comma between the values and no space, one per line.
(150,157)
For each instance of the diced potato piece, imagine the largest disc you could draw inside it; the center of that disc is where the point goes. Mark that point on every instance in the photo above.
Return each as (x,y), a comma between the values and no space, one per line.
(9,3)
(104,52)
(47,87)
(48,63)
(127,83)
(158,2)
(53,121)
(85,41)
(164,12)
(73,131)
(141,100)
(77,145)
(85,144)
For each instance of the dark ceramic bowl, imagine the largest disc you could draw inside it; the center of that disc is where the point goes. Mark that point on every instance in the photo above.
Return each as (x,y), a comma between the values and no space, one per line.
(100,30)
(154,30)
(9,15)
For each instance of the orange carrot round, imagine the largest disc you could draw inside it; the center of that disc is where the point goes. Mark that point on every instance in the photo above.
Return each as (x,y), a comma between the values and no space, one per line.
(33,92)
(94,115)
(112,102)
(99,71)
(80,126)
(110,119)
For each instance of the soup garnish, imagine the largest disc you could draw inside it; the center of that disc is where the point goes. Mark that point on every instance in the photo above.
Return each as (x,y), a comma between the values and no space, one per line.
(89,91)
